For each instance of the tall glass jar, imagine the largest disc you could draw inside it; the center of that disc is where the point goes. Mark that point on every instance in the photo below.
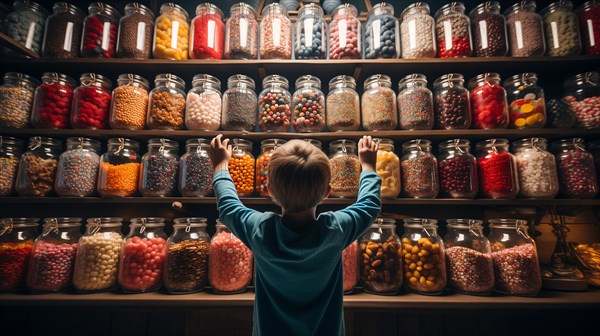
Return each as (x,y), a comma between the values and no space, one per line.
(230,262)
(488,102)
(458,169)
(453,29)
(415,103)
(380,258)
(242,167)
(536,167)
(63,31)
(171,33)
(100,29)
(418,32)
(388,168)
(589,25)
(309,105)
(77,171)
(267,147)
(382,32)
(379,104)
(98,254)
(275,105)
(91,102)
(37,168)
(468,257)
(350,267)
(583,94)
(135,32)
(275,33)
(576,169)
(240,104)
(196,169)
(16,243)
(16,99)
(527,104)
(516,265)
(419,170)
(10,155)
(342,105)
(452,102)
(119,168)
(206,36)
(345,33)
(489,30)
(129,103)
(52,102)
(158,173)
(561,29)
(53,255)
(186,264)
(345,168)
(143,256)
(167,103)
(424,257)
(203,106)
(25,24)
(497,170)
(241,32)
(525,30)
(311,30)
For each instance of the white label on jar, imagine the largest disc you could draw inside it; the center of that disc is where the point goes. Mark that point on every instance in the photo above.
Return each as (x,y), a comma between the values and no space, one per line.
(141,36)
(29,40)
(555,34)
(590,26)
(519,31)
(342,26)
(174,34)
(483,33)
(448,34)
(105,35)
(68,37)
(376,34)
(277,32)
(308,31)
(211,34)
(243,32)
(412,33)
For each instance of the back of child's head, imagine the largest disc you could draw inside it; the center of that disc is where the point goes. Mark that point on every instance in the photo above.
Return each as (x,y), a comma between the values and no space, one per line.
(299,175)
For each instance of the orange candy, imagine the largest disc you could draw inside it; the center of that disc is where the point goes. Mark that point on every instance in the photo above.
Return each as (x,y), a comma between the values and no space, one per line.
(118,180)
(241,169)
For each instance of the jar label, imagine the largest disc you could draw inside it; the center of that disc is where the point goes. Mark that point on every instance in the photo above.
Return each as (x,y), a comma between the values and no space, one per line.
(448,34)
(68,37)
(590,26)
(29,39)
(483,33)
(519,31)
(277,32)
(211,34)
(342,26)
(105,35)
(376,34)
(554,26)
(243,32)
(412,33)
(174,34)
(308,30)
(141,34)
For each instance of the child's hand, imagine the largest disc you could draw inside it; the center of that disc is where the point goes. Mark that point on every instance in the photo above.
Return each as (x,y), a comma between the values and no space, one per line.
(220,152)
(367,153)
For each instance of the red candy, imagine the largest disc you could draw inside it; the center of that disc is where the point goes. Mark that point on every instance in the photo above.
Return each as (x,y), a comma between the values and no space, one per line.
(589,21)
(350,267)
(207,45)
(91,107)
(460,47)
(53,105)
(142,264)
(488,103)
(497,178)
(14,258)
(230,263)
(94,43)
(51,266)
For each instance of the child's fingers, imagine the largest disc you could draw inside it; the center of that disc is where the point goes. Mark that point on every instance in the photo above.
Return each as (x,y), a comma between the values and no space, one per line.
(225,143)
(361,142)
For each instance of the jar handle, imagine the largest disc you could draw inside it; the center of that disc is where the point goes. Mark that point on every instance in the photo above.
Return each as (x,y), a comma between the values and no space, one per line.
(379,223)
(6,226)
(163,142)
(121,145)
(143,227)
(449,78)
(37,142)
(188,228)
(423,223)
(534,144)
(344,150)
(472,226)
(97,225)
(457,147)
(52,226)
(520,224)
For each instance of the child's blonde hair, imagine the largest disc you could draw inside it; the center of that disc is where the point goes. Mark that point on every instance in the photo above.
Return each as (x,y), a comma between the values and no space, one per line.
(299,175)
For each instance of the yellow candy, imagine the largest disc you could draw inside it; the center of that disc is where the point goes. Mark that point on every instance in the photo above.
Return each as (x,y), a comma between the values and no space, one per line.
(533,120)
(526,108)
(520,122)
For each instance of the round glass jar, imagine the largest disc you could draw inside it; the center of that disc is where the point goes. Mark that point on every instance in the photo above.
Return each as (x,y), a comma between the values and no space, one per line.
(25,24)
(561,29)
(16,99)
(419,170)
(345,33)
(380,258)
(158,173)
(91,102)
(527,104)
(311,30)
(538,177)
(267,147)
(488,102)
(135,32)
(452,102)
(77,171)
(418,32)
(378,104)
(275,105)
(196,169)
(497,170)
(129,103)
(342,105)
(489,30)
(240,104)
(241,32)
(230,262)
(582,92)
(382,32)
(275,33)
(242,167)
(345,168)
(576,169)
(458,169)
(203,106)
(52,101)
(589,26)
(171,31)
(63,31)
(350,267)
(206,35)
(560,114)
(388,168)
(119,168)
(309,105)
(415,103)
(453,29)
(100,29)
(16,243)
(525,30)
(167,103)
(10,155)
(37,168)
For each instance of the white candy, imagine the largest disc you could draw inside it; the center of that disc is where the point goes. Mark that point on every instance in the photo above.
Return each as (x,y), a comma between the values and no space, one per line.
(537,173)
(97,263)
(203,111)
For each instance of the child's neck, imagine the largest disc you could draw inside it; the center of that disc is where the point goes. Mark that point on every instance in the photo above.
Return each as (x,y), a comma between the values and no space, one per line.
(300,221)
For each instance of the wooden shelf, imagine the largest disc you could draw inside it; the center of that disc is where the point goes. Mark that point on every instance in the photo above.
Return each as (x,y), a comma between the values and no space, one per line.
(17,46)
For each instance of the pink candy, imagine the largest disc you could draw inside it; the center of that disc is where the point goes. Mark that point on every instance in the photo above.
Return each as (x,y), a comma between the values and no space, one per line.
(230,264)
(142,264)
(51,266)
(350,267)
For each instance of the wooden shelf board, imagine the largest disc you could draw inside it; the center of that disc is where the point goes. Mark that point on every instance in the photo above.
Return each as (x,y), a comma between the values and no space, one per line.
(17,46)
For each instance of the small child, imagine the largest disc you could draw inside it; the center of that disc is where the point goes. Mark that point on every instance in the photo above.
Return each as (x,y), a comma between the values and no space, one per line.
(298,255)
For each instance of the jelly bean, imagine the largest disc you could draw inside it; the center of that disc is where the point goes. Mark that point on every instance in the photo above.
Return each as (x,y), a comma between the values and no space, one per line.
(142,264)
(52,106)
(91,106)
(14,259)
(230,263)
(51,266)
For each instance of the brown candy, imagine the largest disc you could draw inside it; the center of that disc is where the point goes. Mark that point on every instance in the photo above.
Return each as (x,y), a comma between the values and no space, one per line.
(424,265)
(166,110)
(187,266)
(381,266)
(39,176)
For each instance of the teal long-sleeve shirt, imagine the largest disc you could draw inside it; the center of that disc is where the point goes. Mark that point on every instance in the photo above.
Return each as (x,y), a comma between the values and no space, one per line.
(298,275)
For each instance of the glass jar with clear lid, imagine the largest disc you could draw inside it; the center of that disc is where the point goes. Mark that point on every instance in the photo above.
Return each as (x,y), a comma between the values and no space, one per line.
(240,104)
(91,102)
(489,30)
(119,168)
(342,104)
(52,101)
(382,33)
(527,103)
(379,104)
(186,264)
(63,31)
(135,32)
(37,168)
(497,170)
(311,33)
(309,105)
(488,102)
(275,33)
(453,29)
(424,257)
(267,147)
(196,169)
(98,255)
(458,169)
(53,255)
(16,99)
(100,29)
(589,26)
(242,167)
(345,168)
(452,102)
(576,169)
(171,31)
(206,35)
(25,24)
(381,258)
(129,103)
(230,262)
(514,253)
(241,32)
(203,106)
(167,103)
(275,105)
(561,29)
(10,155)
(142,258)
(158,173)
(418,32)
(525,30)
(538,177)
(77,171)
(345,33)
(415,103)
(582,92)
(419,170)
(468,257)
(388,168)
(16,243)
(350,267)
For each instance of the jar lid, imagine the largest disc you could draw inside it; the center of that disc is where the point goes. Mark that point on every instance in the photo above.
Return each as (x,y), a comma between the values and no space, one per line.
(450,8)
(572,142)
(196,222)
(315,143)
(106,8)
(530,142)
(81,142)
(196,142)
(272,142)
(275,79)
(138,7)
(274,8)
(381,8)
(427,223)
(420,144)
(129,77)
(529,78)
(22,77)
(417,7)
(240,79)
(342,81)
(92,78)
(412,78)
(590,77)
(168,79)
(488,6)
(528,6)
(484,78)
(345,9)
(449,79)
(384,223)
(238,144)
(455,143)
(56,77)
(147,221)
(6,141)
(311,9)
(510,223)
(202,79)
(65,6)
(163,143)
(208,8)
(342,143)
(384,142)
(461,223)
(30,4)
(124,143)
(9,223)
(175,7)
(104,222)
(62,222)
(492,143)
(242,8)
(563,5)
(37,141)
(308,80)
(588,5)
(385,79)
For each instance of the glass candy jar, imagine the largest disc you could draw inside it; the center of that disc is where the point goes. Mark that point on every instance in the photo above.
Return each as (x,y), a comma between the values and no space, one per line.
(458,169)
(119,168)
(196,169)
(240,104)
(63,31)
(388,168)
(452,103)
(203,106)
(143,256)
(311,30)
(171,33)
(516,265)
(230,262)
(527,107)
(489,30)
(135,32)
(275,105)
(560,113)
(267,147)
(206,36)
(345,33)
(158,173)
(525,30)
(350,267)
(497,170)
(576,170)
(309,105)
(52,102)
(583,95)
(16,99)
(16,243)
(342,105)
(91,102)
(129,103)
(37,168)
(380,258)
(589,26)
(382,33)
(100,29)
(488,102)
(10,155)
(345,168)
(379,104)
(167,103)
(415,103)
(98,254)
(536,168)
(241,32)
(77,171)
(25,24)
(242,166)
(275,33)
(453,29)
(561,29)
(186,264)
(419,170)
(418,32)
